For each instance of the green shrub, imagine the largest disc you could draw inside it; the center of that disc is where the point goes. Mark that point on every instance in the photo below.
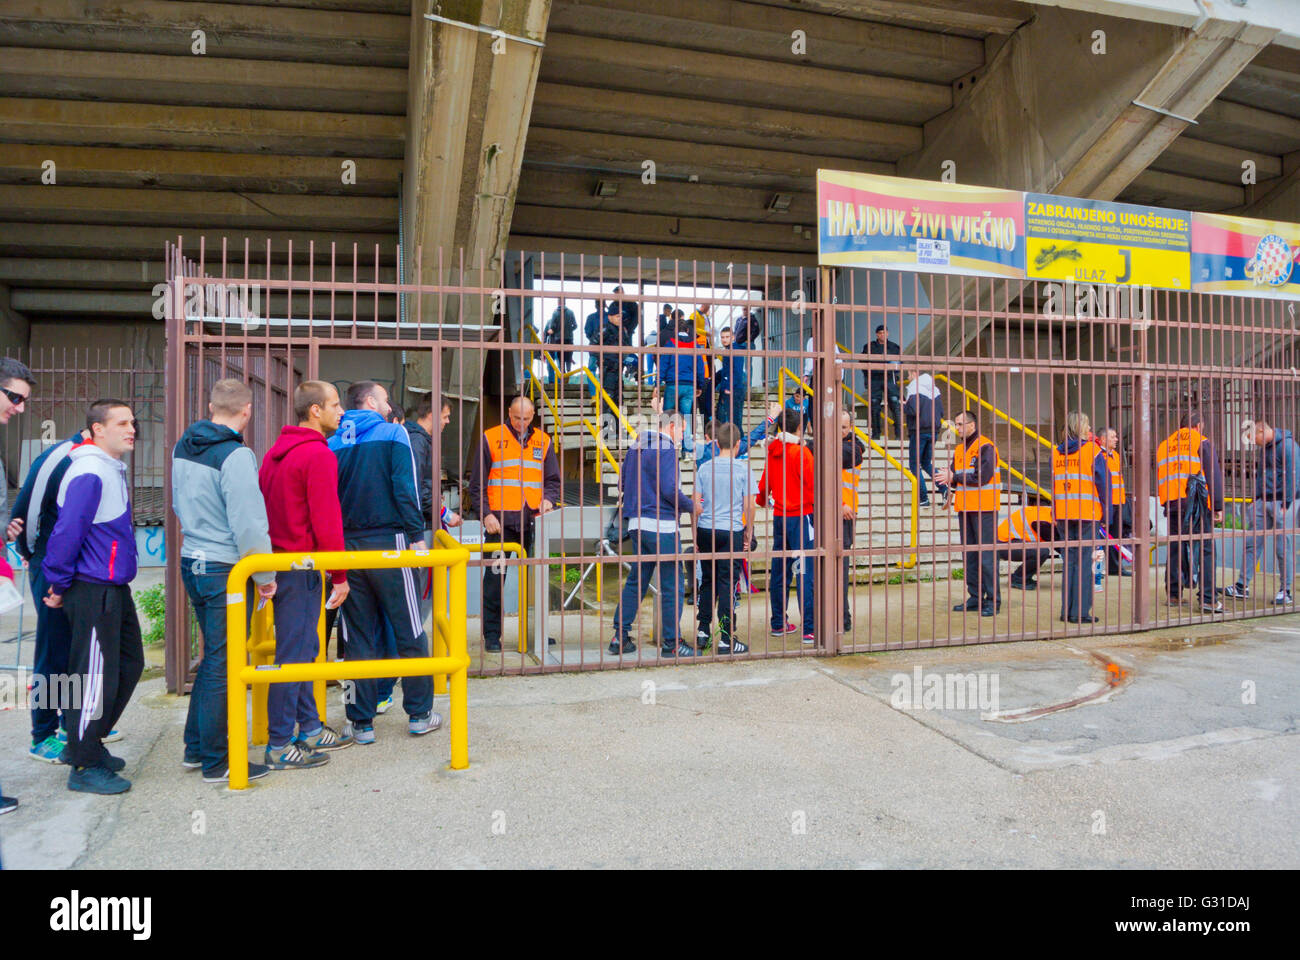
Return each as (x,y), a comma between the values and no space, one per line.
(153,604)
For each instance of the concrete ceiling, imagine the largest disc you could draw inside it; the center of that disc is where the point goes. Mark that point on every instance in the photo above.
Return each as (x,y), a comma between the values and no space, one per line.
(150,140)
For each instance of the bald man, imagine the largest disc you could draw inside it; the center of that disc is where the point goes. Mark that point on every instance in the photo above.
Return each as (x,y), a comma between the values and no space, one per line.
(515,477)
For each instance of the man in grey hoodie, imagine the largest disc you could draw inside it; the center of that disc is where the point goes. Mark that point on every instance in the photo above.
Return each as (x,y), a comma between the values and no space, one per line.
(1276,507)
(217,500)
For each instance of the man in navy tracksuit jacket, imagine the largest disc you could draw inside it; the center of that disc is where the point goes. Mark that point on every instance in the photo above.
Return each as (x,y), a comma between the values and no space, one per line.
(89,563)
(37,506)
(652,506)
(381,511)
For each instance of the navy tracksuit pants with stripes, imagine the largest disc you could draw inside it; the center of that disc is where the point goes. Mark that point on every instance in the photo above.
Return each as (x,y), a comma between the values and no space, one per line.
(372,595)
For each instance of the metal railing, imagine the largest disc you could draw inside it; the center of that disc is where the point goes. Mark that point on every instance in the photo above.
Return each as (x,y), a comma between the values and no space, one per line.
(449,617)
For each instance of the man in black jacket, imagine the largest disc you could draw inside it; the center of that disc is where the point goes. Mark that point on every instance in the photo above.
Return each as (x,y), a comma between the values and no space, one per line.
(1186,454)
(882,384)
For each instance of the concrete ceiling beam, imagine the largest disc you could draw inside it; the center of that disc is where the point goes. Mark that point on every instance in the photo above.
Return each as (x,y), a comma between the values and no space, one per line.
(1249,128)
(593,250)
(787,84)
(198,170)
(1214,161)
(33,120)
(574,190)
(236,30)
(598,154)
(614,112)
(973,17)
(201,209)
(765,33)
(668,231)
(200,81)
(1160,189)
(93,240)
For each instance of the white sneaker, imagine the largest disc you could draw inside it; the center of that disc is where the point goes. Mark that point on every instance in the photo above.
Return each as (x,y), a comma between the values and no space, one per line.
(1283,598)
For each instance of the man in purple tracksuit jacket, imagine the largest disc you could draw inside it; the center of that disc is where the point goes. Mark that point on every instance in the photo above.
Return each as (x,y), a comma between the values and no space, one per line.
(89,564)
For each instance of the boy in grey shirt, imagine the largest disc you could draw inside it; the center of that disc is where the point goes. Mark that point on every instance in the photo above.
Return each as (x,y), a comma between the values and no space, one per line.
(726,491)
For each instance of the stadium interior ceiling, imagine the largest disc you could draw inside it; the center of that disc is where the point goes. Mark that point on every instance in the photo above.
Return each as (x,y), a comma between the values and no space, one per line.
(123,126)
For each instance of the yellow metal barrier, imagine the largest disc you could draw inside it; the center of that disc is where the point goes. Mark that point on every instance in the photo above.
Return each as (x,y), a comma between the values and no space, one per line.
(561,423)
(452,542)
(449,619)
(890,458)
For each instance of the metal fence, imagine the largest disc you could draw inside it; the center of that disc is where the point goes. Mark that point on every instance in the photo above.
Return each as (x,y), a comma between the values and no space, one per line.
(1020,356)
(68,380)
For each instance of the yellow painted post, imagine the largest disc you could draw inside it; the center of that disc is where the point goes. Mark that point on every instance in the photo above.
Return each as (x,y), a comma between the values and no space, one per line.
(236,698)
(437,624)
(459,642)
(318,688)
(263,633)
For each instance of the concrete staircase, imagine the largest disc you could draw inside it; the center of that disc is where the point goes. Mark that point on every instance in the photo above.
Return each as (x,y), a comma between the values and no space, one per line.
(885,495)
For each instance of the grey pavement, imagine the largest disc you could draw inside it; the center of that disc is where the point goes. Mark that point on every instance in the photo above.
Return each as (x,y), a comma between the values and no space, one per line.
(800,762)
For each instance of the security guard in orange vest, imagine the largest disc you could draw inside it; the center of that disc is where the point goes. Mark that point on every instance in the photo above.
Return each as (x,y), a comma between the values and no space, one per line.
(1080,491)
(976,482)
(852,451)
(1025,531)
(514,477)
(1184,454)
(1119,518)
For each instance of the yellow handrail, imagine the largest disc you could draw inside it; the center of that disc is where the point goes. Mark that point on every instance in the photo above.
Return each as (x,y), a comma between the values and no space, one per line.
(599,391)
(560,424)
(911,478)
(449,616)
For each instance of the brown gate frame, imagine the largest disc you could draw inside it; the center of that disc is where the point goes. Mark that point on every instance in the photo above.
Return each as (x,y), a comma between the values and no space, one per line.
(1175,314)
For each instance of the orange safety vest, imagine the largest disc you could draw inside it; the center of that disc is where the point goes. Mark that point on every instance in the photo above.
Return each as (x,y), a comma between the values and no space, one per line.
(1177,459)
(1118,495)
(1023,525)
(849,480)
(1074,494)
(985,499)
(517,471)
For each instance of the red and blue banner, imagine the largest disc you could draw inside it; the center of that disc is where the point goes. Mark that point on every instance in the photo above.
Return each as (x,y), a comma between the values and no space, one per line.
(1252,258)
(870,220)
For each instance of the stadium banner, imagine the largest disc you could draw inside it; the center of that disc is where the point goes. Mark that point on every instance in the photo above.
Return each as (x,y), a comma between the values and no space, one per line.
(1092,241)
(865,220)
(1252,258)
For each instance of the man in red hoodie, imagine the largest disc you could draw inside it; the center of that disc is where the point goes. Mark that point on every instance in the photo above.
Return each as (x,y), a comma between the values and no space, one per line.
(788,481)
(299,481)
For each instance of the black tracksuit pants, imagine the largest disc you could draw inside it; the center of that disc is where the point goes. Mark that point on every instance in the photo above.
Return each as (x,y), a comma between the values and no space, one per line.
(107,654)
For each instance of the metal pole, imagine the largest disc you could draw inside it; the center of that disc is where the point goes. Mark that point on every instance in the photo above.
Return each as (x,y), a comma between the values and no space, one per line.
(1142,499)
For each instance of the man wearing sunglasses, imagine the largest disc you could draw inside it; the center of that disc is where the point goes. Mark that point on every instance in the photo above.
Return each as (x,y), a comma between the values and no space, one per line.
(16,385)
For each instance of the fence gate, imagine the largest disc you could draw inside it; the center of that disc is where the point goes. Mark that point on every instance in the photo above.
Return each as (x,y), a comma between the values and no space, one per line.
(844,386)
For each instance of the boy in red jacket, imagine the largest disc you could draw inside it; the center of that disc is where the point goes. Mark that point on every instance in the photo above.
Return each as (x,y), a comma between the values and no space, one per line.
(299,481)
(787,484)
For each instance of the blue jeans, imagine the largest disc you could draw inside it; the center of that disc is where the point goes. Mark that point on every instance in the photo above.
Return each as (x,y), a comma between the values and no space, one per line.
(205,721)
(638,585)
(680,398)
(53,641)
(920,460)
(791,533)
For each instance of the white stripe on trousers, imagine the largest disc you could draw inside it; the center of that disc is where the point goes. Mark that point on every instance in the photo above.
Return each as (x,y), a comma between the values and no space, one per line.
(94,691)
(412,601)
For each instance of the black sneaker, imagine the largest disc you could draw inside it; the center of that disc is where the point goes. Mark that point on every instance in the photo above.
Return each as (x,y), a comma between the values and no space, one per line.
(627,646)
(1236,592)
(1215,606)
(192,762)
(8,805)
(256,771)
(968,605)
(987,610)
(98,780)
(703,641)
(681,651)
(114,764)
(728,646)
(491,646)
